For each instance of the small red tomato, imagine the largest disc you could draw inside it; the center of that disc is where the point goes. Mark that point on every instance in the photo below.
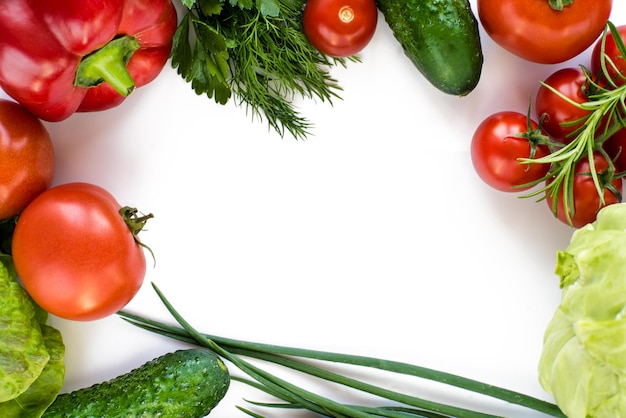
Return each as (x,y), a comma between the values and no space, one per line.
(563,118)
(26,158)
(585,198)
(496,149)
(75,253)
(615,147)
(615,62)
(340,28)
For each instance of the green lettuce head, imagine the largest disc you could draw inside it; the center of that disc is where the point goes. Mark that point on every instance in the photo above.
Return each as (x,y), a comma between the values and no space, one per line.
(583,363)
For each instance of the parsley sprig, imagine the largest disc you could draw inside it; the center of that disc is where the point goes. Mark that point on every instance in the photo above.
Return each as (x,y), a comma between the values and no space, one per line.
(254,51)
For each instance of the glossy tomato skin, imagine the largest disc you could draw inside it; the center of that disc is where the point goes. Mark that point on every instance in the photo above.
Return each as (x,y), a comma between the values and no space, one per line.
(340,28)
(612,52)
(75,255)
(615,147)
(495,151)
(26,158)
(586,200)
(570,82)
(532,30)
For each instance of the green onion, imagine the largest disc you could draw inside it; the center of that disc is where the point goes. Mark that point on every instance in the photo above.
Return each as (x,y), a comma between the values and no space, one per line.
(293,396)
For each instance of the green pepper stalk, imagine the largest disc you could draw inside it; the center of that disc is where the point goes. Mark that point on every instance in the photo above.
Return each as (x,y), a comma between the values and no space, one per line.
(293,396)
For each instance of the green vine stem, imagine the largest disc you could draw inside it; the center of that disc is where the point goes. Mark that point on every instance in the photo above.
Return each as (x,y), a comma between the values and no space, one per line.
(607,110)
(293,396)
(560,4)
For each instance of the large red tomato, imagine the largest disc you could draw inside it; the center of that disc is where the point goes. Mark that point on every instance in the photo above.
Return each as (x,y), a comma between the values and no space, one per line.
(340,28)
(76,254)
(533,30)
(26,158)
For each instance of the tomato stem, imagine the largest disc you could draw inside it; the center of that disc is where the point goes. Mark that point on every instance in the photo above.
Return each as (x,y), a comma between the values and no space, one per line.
(136,224)
(560,4)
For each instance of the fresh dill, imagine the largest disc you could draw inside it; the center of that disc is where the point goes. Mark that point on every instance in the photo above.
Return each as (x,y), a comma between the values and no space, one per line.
(255,52)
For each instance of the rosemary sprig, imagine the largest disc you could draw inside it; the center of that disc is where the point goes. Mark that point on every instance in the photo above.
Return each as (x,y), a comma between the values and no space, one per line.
(297,397)
(257,52)
(606,107)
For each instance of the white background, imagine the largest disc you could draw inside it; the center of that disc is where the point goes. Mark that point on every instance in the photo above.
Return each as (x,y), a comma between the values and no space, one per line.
(374,236)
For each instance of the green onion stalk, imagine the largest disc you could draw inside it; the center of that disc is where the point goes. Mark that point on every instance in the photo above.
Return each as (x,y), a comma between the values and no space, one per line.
(292,396)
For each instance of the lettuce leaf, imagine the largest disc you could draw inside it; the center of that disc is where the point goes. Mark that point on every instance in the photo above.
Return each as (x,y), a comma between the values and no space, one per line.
(31,353)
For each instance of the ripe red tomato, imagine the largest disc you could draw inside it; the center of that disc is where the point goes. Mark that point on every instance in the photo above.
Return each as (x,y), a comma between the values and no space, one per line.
(26,158)
(534,31)
(571,83)
(495,151)
(340,28)
(612,52)
(75,254)
(585,198)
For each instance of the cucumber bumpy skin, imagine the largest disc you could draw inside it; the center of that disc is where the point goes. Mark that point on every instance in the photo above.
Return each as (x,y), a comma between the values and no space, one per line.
(441,38)
(182,384)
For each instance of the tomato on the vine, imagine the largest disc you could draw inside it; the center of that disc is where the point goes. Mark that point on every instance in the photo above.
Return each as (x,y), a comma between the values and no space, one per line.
(538,33)
(499,142)
(585,199)
(340,28)
(562,118)
(617,62)
(615,147)
(76,254)
(26,158)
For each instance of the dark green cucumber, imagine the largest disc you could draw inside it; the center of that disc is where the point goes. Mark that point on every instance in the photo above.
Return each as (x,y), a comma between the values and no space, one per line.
(441,38)
(181,384)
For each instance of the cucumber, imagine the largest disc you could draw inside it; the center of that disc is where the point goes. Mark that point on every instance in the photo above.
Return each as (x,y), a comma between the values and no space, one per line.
(181,384)
(441,38)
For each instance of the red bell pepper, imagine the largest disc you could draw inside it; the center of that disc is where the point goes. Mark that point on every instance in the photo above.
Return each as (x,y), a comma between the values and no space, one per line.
(60,57)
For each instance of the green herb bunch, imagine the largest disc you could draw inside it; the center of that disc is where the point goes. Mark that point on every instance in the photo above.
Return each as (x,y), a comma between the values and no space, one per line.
(256,52)
(606,107)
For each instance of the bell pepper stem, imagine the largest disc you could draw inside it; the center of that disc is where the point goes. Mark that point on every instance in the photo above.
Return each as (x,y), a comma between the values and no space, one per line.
(108,64)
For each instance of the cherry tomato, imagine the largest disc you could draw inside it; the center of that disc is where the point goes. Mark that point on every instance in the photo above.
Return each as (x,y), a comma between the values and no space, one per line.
(585,198)
(75,254)
(26,158)
(615,147)
(340,28)
(571,83)
(495,151)
(611,51)
(534,31)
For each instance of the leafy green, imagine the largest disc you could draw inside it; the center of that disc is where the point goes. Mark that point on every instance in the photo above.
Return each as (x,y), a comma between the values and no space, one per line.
(583,363)
(23,353)
(31,353)
(256,52)
(34,401)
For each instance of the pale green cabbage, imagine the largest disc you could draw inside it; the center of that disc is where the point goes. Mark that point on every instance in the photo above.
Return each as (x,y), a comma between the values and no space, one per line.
(583,363)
